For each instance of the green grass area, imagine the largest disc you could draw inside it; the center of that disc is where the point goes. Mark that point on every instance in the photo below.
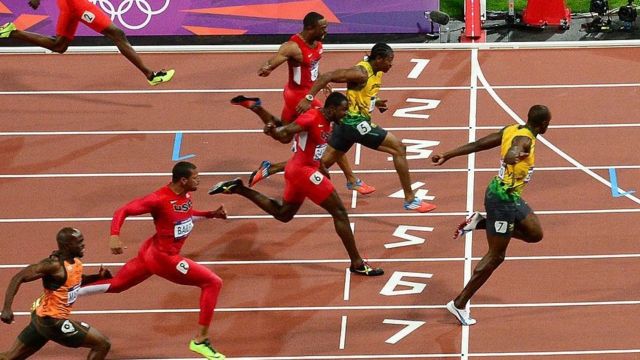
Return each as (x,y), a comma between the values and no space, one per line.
(455,8)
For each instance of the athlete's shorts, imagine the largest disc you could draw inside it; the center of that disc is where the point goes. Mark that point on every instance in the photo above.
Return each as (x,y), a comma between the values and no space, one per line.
(291,99)
(305,182)
(65,332)
(362,132)
(74,11)
(503,215)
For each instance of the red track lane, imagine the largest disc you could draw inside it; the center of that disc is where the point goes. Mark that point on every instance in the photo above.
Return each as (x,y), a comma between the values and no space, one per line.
(239,329)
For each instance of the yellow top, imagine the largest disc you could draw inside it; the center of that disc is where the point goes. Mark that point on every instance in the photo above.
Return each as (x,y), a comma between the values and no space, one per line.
(515,177)
(57,303)
(362,100)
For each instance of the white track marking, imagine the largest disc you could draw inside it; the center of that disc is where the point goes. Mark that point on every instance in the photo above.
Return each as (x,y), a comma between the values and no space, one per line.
(347,285)
(343,332)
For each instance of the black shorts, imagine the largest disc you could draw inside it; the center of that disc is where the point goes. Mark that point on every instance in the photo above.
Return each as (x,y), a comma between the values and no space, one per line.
(366,133)
(65,332)
(503,215)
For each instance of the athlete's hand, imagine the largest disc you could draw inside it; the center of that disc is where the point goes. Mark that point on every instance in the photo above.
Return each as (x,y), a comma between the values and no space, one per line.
(265,70)
(303,106)
(382,105)
(438,159)
(522,155)
(219,213)
(104,273)
(34,4)
(269,128)
(116,245)
(7,316)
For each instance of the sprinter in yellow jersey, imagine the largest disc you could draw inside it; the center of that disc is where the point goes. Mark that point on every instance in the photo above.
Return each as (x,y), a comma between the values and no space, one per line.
(61,275)
(507,213)
(363,84)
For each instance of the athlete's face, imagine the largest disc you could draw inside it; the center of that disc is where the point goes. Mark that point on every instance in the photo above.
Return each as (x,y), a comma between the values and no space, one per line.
(320,30)
(386,63)
(75,246)
(191,183)
(545,125)
(336,113)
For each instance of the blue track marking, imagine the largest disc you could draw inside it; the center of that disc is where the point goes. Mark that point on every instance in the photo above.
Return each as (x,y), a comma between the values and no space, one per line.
(614,185)
(177,143)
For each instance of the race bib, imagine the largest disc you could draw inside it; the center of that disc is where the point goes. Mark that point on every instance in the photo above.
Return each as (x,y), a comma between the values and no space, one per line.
(182,228)
(503,170)
(363,127)
(72,295)
(315,70)
(372,104)
(316,178)
(529,174)
(319,151)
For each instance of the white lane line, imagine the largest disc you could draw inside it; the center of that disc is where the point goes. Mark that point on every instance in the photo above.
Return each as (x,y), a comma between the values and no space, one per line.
(347,285)
(245,131)
(343,332)
(471,164)
(358,153)
(372,171)
(543,140)
(316,216)
(347,308)
(607,257)
(346,261)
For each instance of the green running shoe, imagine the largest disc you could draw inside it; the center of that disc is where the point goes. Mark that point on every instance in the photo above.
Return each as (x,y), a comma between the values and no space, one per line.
(161,76)
(6,29)
(205,349)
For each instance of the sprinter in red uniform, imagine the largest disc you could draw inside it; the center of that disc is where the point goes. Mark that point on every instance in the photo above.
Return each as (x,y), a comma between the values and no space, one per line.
(302,53)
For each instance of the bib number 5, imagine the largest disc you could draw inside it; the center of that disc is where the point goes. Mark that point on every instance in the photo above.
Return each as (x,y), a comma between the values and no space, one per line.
(363,128)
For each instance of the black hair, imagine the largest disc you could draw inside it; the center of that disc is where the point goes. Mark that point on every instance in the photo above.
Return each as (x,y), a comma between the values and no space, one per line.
(379,50)
(311,19)
(65,235)
(537,115)
(182,170)
(334,99)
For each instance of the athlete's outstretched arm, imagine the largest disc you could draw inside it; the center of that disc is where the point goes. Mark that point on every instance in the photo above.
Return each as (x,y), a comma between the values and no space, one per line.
(30,273)
(284,134)
(485,143)
(101,275)
(136,207)
(286,51)
(219,213)
(354,75)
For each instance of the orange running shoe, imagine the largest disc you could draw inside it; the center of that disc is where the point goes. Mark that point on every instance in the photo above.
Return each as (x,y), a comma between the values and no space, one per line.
(360,187)
(418,205)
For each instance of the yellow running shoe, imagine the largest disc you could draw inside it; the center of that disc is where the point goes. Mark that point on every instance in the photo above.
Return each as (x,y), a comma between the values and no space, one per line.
(161,76)
(6,29)
(205,349)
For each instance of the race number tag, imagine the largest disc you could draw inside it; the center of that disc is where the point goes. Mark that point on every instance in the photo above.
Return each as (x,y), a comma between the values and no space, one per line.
(315,70)
(183,267)
(319,151)
(316,178)
(363,128)
(72,295)
(372,104)
(529,174)
(182,228)
(503,170)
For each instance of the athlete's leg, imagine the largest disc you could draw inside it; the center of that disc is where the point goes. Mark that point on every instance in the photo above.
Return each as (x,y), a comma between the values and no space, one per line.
(331,156)
(485,267)
(255,105)
(132,273)
(281,211)
(19,351)
(119,38)
(98,343)
(529,229)
(335,207)
(391,145)
(57,44)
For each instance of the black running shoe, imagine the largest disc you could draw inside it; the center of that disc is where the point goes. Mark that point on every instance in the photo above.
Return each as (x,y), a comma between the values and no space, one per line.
(243,101)
(367,270)
(225,187)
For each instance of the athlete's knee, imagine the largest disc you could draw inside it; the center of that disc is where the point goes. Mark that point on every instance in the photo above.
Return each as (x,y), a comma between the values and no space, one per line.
(491,262)
(534,236)
(103,346)
(60,46)
(214,281)
(398,148)
(115,34)
(284,217)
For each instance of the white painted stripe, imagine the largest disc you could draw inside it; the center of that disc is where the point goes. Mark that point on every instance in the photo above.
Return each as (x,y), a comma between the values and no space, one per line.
(357,154)
(354,199)
(315,216)
(546,142)
(381,260)
(346,308)
(347,284)
(235,173)
(343,332)
(471,164)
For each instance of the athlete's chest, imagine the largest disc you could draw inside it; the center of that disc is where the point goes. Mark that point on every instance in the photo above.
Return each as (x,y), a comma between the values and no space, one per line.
(177,207)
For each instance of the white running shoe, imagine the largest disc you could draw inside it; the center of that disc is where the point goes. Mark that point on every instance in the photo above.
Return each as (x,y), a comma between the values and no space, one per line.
(462,315)
(469,225)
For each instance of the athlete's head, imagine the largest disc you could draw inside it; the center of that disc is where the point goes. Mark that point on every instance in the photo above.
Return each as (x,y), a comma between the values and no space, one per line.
(335,107)
(185,174)
(315,25)
(381,57)
(71,241)
(538,118)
